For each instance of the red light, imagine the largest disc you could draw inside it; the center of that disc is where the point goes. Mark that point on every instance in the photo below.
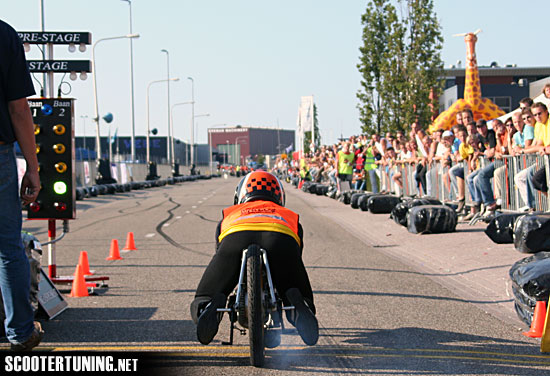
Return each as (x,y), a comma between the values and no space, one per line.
(60,206)
(34,206)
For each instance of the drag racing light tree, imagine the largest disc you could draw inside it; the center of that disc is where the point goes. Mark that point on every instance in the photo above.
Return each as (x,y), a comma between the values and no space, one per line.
(96,113)
(54,133)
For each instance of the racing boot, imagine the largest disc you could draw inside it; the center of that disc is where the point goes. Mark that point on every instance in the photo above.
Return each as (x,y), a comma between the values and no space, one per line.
(304,319)
(209,319)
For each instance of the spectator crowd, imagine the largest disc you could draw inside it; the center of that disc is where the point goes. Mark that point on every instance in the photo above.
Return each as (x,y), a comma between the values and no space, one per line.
(468,158)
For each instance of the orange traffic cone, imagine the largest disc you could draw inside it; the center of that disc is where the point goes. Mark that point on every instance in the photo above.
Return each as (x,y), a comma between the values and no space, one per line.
(83,261)
(537,324)
(79,289)
(114,254)
(130,245)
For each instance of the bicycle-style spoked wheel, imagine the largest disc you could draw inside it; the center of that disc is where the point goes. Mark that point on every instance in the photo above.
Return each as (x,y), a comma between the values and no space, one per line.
(255,306)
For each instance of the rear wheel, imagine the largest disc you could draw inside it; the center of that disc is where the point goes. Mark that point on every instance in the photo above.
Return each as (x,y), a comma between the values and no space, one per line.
(255,306)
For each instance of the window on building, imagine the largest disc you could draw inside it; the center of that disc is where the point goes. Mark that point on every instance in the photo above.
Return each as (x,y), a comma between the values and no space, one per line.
(505,103)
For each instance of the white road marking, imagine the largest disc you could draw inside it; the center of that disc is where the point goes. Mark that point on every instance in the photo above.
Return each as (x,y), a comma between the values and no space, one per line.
(150,235)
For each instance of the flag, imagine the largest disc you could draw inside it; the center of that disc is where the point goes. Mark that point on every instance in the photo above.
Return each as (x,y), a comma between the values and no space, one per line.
(290,148)
(305,115)
(114,137)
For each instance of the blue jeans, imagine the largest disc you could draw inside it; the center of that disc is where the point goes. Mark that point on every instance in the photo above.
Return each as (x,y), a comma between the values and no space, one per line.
(473,188)
(14,265)
(483,183)
(530,187)
(373,181)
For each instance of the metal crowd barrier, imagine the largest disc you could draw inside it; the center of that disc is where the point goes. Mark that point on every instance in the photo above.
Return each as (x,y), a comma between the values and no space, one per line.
(504,188)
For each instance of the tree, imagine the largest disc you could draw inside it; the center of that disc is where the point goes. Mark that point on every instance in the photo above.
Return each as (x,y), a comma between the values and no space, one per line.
(307,135)
(400,65)
(376,32)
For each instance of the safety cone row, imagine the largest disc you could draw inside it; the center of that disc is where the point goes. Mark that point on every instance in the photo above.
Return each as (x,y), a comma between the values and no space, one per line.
(79,288)
(130,245)
(539,318)
(83,262)
(114,253)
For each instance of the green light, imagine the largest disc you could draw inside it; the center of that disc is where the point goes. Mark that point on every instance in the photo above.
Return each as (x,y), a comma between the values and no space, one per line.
(60,187)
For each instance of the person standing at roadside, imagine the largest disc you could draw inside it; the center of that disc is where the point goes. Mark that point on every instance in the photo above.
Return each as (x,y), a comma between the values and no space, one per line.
(344,161)
(16,124)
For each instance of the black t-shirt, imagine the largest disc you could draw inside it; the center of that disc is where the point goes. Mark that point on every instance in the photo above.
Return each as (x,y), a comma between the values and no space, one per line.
(489,141)
(15,80)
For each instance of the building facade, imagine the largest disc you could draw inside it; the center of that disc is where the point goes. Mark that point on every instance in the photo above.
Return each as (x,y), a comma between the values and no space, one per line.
(239,144)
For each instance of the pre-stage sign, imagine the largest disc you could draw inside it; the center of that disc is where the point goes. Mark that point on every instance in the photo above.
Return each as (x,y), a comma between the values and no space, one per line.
(55,37)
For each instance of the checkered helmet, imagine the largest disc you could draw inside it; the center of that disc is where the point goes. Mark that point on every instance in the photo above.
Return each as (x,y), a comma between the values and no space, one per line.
(259,185)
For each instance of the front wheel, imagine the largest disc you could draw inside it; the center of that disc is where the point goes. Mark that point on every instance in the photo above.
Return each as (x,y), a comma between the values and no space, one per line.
(255,306)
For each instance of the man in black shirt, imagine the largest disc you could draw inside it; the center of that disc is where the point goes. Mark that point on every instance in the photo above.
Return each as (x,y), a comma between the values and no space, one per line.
(16,124)
(487,146)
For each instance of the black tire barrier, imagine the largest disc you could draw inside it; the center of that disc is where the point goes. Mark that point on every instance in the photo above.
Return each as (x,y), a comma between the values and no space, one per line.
(532,233)
(312,188)
(321,189)
(382,204)
(399,212)
(93,191)
(354,200)
(363,201)
(431,219)
(79,194)
(530,283)
(501,228)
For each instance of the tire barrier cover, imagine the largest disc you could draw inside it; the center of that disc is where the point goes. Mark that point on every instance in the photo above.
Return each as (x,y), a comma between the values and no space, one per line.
(532,233)
(530,282)
(312,188)
(399,213)
(363,201)
(433,219)
(354,200)
(321,189)
(501,228)
(382,204)
(305,186)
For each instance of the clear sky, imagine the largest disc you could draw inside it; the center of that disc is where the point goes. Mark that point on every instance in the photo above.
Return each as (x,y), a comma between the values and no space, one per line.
(251,60)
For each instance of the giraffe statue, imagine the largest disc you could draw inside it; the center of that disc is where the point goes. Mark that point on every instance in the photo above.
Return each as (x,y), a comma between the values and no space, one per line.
(482,108)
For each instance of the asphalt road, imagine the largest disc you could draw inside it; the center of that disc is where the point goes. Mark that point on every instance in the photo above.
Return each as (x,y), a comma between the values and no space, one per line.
(378,314)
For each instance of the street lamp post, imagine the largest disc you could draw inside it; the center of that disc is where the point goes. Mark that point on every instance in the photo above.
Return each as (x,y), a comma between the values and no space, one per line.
(238,158)
(84,117)
(147,110)
(192,119)
(96,113)
(226,151)
(172,126)
(169,144)
(133,136)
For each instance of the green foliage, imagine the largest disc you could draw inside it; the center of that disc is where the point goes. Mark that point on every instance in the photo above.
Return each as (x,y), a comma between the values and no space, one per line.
(400,64)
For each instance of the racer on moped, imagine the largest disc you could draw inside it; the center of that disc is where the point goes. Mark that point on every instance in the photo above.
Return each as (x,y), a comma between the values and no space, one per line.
(258,216)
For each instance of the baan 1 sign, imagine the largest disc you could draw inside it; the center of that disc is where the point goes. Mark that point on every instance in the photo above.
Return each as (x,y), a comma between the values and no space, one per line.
(59,66)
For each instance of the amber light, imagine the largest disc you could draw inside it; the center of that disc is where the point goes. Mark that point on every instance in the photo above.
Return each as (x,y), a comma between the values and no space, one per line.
(61,167)
(59,129)
(59,148)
